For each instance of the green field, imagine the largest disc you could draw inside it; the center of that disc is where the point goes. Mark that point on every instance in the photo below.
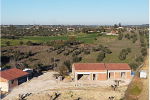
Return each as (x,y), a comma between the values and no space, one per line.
(86,38)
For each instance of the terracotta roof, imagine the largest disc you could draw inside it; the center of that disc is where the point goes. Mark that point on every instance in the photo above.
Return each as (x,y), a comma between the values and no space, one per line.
(101,66)
(12,73)
(89,66)
(117,66)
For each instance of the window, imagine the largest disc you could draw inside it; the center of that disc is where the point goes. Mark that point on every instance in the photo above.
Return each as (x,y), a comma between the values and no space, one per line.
(109,75)
(94,76)
(12,81)
(122,74)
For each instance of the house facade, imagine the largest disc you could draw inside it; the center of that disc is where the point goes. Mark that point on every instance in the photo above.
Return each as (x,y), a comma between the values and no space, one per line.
(101,71)
(11,78)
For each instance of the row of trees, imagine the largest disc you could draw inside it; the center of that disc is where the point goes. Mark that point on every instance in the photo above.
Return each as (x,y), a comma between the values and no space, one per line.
(144,43)
(132,37)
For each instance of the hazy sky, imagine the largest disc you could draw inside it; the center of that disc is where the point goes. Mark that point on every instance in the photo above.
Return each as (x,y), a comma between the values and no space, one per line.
(101,12)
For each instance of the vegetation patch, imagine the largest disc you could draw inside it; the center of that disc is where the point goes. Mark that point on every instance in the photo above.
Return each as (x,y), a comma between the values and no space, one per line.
(135,90)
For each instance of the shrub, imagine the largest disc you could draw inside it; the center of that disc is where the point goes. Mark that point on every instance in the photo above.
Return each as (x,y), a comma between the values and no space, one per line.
(143,44)
(100,56)
(127,36)
(124,53)
(107,50)
(8,43)
(62,71)
(67,63)
(66,53)
(77,59)
(21,43)
(144,51)
(29,43)
(139,59)
(120,36)
(87,52)
(122,56)
(129,50)
(133,65)
(134,39)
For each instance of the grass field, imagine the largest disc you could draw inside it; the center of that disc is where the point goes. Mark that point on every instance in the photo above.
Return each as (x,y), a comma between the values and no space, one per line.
(86,38)
(115,46)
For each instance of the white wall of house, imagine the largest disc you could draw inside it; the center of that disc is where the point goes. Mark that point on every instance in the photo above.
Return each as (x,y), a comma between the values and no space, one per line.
(4,86)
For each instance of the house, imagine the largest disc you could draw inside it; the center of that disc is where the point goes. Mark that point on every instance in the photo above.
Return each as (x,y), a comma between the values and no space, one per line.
(11,77)
(101,71)
(113,32)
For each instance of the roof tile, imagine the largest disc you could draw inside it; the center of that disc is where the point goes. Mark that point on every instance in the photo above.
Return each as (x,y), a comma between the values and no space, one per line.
(102,66)
(12,73)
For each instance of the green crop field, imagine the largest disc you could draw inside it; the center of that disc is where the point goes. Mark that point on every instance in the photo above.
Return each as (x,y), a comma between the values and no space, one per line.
(86,38)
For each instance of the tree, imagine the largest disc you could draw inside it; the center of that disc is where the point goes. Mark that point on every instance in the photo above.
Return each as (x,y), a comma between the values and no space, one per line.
(119,24)
(139,59)
(8,43)
(143,44)
(133,65)
(38,67)
(52,60)
(67,63)
(77,59)
(30,53)
(62,71)
(124,53)
(134,39)
(16,56)
(142,39)
(144,51)
(86,51)
(120,36)
(127,36)
(29,43)
(100,56)
(21,43)
(115,26)
(107,50)
(122,56)
(129,50)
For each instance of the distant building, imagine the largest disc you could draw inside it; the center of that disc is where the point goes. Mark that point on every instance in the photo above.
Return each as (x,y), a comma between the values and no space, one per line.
(11,78)
(70,29)
(113,32)
(120,28)
(101,71)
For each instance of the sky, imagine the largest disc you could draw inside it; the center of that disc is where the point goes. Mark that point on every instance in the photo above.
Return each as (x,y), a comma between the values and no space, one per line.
(74,12)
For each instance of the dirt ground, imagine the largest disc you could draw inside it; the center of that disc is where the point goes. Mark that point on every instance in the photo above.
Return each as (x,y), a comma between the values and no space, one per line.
(145,91)
(143,84)
(44,86)
(84,94)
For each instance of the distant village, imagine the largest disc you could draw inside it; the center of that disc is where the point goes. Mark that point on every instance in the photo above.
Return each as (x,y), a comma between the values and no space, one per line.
(56,30)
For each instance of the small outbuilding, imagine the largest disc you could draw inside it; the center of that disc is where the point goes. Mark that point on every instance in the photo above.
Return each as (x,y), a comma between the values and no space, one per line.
(143,74)
(12,77)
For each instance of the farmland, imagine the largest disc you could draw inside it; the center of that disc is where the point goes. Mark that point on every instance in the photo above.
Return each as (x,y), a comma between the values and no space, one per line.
(86,38)
(91,40)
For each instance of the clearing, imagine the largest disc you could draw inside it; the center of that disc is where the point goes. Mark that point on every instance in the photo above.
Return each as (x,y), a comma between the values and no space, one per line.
(46,85)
